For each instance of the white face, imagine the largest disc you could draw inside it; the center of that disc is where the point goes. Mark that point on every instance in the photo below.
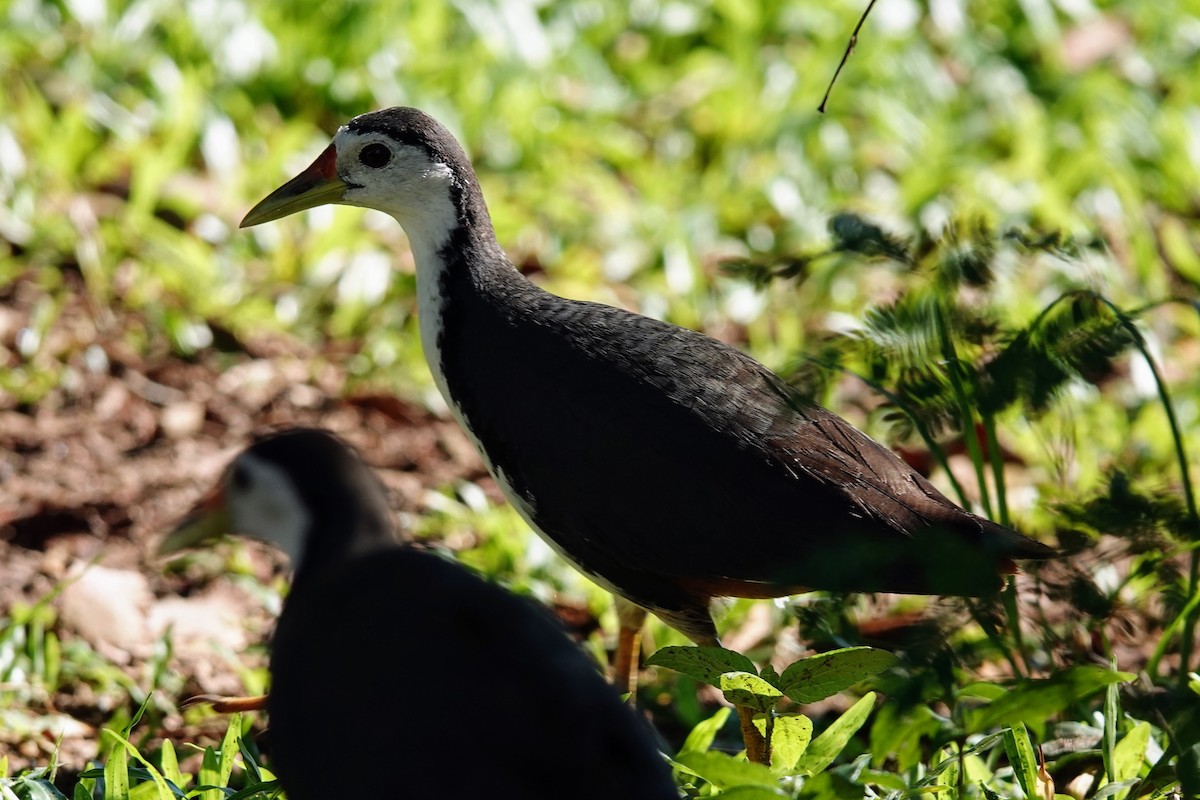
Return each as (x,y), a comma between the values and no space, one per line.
(263,504)
(400,180)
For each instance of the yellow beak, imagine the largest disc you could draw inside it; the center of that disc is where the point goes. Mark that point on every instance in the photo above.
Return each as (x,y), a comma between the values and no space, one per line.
(316,186)
(207,522)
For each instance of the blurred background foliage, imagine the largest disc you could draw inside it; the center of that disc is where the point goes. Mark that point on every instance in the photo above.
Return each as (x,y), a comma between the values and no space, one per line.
(629,153)
(662,155)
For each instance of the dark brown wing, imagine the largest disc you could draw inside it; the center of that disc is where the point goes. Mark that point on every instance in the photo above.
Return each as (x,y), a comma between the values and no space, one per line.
(660,453)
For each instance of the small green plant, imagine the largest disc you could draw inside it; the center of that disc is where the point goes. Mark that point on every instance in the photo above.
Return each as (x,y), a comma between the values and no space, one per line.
(789,743)
(128,774)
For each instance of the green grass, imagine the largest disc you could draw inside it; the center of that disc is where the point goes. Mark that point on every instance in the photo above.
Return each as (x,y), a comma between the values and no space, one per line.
(668,157)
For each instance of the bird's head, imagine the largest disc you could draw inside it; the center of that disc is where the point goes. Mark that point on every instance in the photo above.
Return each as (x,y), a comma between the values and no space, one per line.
(400,161)
(303,491)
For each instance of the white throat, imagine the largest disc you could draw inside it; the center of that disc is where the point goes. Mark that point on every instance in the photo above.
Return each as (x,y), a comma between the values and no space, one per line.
(270,510)
(426,242)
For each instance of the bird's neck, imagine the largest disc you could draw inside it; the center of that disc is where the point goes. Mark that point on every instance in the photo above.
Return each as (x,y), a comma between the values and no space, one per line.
(458,260)
(356,520)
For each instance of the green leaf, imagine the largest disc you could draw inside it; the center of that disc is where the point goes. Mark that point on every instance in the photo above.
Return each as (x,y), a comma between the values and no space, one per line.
(705,664)
(752,793)
(1119,789)
(170,764)
(116,771)
(151,782)
(989,794)
(39,789)
(768,674)
(229,749)
(702,736)
(722,770)
(790,737)
(269,789)
(209,771)
(817,677)
(898,732)
(825,748)
(749,691)
(1129,754)
(986,690)
(249,762)
(1023,759)
(1039,699)
(1112,712)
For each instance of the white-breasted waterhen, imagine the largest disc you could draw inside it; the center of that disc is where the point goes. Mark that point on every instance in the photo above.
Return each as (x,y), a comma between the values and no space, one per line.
(667,466)
(396,673)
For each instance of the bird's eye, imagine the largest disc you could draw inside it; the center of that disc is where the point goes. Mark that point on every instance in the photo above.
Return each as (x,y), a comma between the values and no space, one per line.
(375,155)
(240,478)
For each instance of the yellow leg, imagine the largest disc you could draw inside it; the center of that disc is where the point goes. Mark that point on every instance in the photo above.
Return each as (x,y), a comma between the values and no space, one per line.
(758,749)
(227,705)
(629,638)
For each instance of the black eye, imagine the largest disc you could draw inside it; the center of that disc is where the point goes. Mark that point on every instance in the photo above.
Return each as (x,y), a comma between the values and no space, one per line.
(240,478)
(375,155)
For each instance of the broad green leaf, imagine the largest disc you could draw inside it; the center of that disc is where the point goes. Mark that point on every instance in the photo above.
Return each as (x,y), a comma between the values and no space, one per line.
(1039,699)
(146,790)
(170,764)
(1129,754)
(987,690)
(209,775)
(705,664)
(1023,759)
(702,736)
(817,677)
(749,691)
(723,770)
(40,789)
(825,748)
(790,737)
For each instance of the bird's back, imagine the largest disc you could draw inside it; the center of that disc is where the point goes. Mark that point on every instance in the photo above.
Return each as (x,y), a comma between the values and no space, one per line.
(662,451)
(460,690)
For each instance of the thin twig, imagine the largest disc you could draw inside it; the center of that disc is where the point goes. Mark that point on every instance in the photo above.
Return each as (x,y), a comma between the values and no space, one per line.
(845,56)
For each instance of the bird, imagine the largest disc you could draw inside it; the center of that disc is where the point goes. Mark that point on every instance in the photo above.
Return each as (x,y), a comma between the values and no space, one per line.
(431,680)
(667,466)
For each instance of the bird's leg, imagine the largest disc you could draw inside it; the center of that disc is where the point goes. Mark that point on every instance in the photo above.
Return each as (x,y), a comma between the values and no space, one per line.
(630,619)
(758,747)
(227,705)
